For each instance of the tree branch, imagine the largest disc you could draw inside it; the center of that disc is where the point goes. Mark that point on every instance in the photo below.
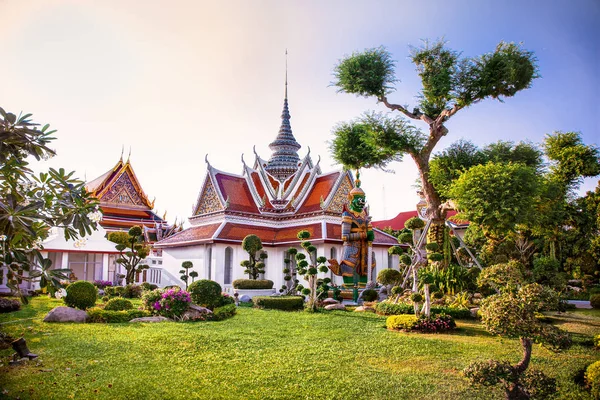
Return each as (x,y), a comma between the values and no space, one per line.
(397,107)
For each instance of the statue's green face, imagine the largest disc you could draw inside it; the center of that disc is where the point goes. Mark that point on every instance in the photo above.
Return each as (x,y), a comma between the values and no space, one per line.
(358,203)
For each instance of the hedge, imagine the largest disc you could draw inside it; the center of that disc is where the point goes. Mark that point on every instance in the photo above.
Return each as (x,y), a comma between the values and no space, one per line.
(285,303)
(252,284)
(98,314)
(595,301)
(385,308)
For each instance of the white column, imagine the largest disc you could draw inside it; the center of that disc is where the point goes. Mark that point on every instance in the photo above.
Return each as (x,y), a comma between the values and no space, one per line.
(105,267)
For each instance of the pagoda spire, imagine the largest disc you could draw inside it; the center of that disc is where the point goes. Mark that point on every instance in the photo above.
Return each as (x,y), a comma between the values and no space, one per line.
(284,160)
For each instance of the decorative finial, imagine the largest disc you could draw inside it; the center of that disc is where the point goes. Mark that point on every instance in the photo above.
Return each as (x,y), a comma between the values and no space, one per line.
(254,150)
(122,150)
(206,159)
(286,74)
(129,155)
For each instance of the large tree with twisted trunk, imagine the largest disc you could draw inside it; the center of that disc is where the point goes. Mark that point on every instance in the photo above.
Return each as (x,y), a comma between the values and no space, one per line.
(450,83)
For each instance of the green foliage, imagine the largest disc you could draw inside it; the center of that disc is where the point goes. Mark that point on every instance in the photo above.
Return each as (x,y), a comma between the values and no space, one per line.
(284,303)
(149,298)
(206,293)
(395,250)
(132,251)
(132,291)
(99,315)
(32,204)
(405,259)
(118,304)
(454,278)
(81,294)
(253,266)
(369,73)
(414,223)
(546,272)
(223,312)
(503,277)
(496,196)
(597,341)
(389,308)
(434,324)
(186,274)
(405,238)
(532,384)
(592,379)
(512,314)
(571,158)
(369,295)
(401,322)
(416,297)
(389,276)
(148,286)
(252,284)
(595,301)
(435,257)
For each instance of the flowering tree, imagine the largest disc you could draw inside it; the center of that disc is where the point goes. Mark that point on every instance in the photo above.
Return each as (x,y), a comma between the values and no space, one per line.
(32,204)
(132,250)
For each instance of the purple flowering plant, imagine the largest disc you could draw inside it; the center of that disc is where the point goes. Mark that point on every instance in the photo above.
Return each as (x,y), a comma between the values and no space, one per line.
(101,284)
(437,324)
(170,303)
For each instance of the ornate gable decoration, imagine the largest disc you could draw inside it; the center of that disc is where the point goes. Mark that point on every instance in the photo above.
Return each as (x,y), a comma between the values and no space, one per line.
(120,187)
(209,201)
(340,198)
(123,192)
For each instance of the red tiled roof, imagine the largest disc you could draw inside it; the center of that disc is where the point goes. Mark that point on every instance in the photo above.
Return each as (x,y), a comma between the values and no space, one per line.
(189,236)
(235,189)
(320,190)
(397,223)
(260,189)
(291,234)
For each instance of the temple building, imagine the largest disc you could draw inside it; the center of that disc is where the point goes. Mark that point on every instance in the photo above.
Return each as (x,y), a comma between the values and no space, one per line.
(123,204)
(273,199)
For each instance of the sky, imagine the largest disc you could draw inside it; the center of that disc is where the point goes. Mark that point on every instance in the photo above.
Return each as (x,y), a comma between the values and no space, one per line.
(174,81)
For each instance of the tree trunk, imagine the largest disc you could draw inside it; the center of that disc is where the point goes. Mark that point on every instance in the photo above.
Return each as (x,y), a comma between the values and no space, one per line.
(427,305)
(524,363)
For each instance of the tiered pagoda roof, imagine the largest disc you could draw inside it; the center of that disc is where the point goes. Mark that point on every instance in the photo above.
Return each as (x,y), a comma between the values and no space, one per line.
(273,199)
(124,203)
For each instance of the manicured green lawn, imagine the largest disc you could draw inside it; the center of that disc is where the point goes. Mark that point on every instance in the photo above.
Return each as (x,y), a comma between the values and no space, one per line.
(268,355)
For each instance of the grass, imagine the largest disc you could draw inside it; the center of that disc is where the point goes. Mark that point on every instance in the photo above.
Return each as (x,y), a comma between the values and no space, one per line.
(262,354)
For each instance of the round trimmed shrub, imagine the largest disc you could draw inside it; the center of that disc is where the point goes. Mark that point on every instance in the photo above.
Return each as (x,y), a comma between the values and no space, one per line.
(595,301)
(414,223)
(369,295)
(81,294)
(389,276)
(206,293)
(416,297)
(118,304)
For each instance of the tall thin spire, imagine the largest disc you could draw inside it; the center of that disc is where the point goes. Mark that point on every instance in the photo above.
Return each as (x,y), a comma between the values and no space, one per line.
(285,160)
(286,74)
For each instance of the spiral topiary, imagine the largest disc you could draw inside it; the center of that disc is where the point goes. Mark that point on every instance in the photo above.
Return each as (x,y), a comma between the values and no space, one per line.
(81,294)
(205,293)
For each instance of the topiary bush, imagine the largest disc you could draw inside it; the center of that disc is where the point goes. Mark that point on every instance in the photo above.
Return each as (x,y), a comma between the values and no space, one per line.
(9,305)
(592,379)
(252,284)
(148,286)
(224,312)
(206,293)
(386,308)
(81,294)
(284,303)
(370,295)
(595,301)
(389,276)
(99,315)
(401,322)
(118,304)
